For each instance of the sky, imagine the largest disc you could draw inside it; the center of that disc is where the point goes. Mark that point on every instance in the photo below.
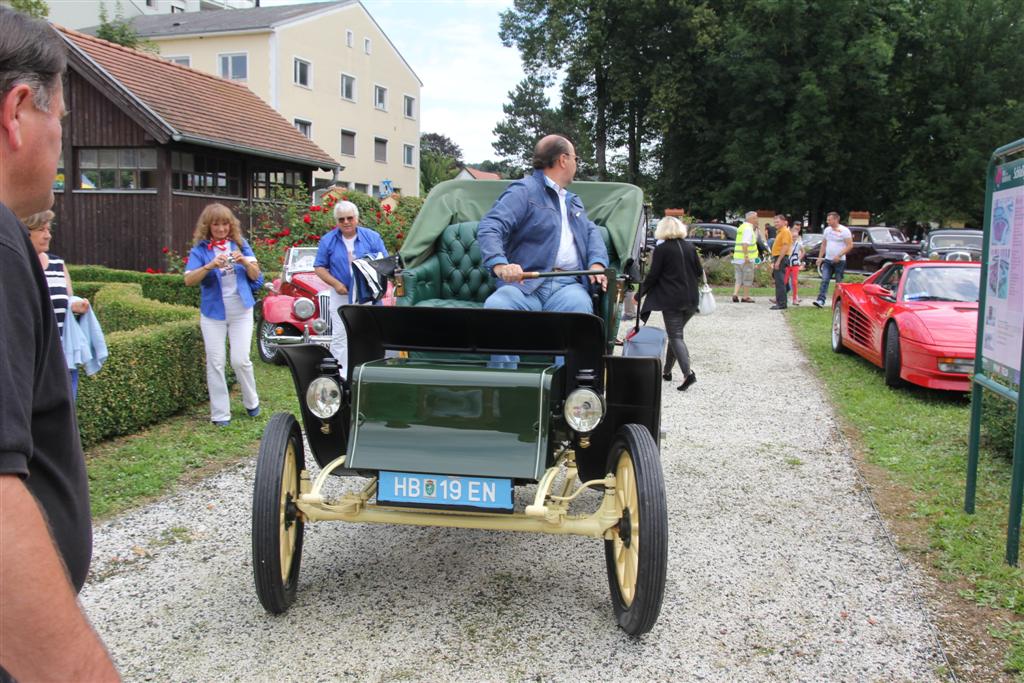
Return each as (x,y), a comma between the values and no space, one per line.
(453,46)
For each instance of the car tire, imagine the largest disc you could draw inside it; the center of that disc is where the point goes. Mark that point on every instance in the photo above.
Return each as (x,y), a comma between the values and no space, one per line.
(893,356)
(264,331)
(277,526)
(637,570)
(837,328)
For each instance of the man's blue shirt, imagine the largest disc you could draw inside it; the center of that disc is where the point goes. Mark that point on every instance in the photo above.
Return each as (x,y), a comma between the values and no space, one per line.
(525,226)
(333,255)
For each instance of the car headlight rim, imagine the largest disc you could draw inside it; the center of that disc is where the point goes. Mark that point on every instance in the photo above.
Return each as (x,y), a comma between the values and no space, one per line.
(323,397)
(583,410)
(303,308)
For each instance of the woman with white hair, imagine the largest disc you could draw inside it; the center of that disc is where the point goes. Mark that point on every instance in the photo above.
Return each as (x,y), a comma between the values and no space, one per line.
(672,287)
(344,244)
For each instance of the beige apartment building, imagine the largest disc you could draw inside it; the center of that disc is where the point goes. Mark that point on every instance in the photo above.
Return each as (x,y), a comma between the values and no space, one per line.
(326,67)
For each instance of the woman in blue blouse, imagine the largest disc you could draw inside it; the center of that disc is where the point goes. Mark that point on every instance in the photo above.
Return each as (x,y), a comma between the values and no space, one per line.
(338,248)
(223,265)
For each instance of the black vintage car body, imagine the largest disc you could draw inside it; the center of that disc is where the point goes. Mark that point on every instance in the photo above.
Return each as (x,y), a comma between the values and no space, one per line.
(444,434)
(718,239)
(875,246)
(952,244)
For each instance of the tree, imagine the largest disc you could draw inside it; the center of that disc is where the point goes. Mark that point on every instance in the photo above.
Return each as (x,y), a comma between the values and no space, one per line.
(34,8)
(120,30)
(441,144)
(435,168)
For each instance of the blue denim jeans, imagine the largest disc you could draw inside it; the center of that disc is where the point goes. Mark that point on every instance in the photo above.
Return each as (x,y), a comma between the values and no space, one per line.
(830,270)
(561,294)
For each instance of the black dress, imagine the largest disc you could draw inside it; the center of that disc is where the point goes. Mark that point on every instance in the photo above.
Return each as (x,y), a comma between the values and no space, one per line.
(673,283)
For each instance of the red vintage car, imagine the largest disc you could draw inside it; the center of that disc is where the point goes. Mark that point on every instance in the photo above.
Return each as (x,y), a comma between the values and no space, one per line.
(296,311)
(916,320)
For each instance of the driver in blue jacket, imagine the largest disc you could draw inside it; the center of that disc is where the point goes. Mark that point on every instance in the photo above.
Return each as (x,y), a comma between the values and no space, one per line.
(537,225)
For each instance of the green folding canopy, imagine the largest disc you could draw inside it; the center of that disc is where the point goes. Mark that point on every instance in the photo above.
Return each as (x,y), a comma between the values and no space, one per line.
(617,206)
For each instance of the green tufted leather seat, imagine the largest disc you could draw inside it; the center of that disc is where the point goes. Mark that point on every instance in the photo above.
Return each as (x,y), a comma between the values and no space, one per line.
(454,275)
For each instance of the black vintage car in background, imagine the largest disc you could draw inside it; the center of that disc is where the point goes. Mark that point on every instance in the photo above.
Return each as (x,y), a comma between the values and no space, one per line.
(875,246)
(718,239)
(952,244)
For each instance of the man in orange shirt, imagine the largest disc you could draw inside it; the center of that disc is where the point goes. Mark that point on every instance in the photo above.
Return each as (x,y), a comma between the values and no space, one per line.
(781,248)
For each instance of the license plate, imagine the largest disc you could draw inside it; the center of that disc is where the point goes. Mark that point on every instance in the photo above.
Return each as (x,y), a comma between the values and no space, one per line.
(445,491)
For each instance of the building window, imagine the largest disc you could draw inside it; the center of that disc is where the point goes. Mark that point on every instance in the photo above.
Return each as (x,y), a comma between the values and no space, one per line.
(380,150)
(366,45)
(58,180)
(180,60)
(302,73)
(234,67)
(265,182)
(350,38)
(361,187)
(176,10)
(304,127)
(117,169)
(409,107)
(348,87)
(380,97)
(407,154)
(207,175)
(348,143)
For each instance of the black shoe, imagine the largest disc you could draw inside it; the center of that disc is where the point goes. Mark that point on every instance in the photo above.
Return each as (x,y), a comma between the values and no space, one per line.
(667,376)
(819,303)
(735,299)
(690,379)
(776,307)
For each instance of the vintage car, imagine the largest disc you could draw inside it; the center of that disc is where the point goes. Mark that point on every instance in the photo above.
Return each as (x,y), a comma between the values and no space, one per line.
(440,433)
(952,244)
(718,239)
(296,309)
(875,246)
(916,320)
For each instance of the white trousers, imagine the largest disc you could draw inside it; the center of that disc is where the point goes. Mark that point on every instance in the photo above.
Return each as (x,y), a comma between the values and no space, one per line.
(339,335)
(237,330)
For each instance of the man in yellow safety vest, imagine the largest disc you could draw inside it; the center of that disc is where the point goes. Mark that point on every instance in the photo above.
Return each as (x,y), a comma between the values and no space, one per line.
(744,257)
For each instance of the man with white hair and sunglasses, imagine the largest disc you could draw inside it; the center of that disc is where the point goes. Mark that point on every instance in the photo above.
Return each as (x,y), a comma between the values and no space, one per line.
(344,244)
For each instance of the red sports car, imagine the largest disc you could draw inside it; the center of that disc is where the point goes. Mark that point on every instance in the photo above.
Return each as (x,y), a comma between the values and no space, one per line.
(916,320)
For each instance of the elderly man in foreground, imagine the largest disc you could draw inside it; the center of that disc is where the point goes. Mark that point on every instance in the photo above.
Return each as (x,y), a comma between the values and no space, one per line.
(537,225)
(45,524)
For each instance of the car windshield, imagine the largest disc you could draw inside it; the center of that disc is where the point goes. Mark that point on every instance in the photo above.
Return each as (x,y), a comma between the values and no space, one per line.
(942,284)
(884,235)
(300,259)
(957,241)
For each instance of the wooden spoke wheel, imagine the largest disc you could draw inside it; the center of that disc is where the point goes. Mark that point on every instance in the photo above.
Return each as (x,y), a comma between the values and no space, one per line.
(637,556)
(276,522)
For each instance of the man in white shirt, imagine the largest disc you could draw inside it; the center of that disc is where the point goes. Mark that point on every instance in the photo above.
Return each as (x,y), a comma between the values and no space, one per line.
(832,254)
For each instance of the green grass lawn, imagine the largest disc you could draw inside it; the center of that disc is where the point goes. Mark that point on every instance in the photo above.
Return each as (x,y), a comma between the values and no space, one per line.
(920,437)
(127,471)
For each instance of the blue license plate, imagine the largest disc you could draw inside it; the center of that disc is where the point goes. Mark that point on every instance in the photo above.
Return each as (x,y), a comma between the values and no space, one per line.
(445,491)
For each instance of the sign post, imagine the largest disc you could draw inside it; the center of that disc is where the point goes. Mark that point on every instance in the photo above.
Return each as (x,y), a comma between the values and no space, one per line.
(999,352)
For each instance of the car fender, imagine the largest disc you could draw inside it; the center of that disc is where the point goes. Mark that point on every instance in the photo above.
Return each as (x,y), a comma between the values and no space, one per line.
(278,309)
(911,327)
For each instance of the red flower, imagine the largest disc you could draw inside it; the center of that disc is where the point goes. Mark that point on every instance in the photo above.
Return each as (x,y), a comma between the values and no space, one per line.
(387,208)
(314,209)
(307,219)
(184,260)
(285,232)
(150,270)
(378,215)
(315,238)
(166,249)
(399,235)
(271,240)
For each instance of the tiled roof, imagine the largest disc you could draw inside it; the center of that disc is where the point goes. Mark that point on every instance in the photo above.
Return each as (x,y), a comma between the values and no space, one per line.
(223,21)
(196,107)
(482,175)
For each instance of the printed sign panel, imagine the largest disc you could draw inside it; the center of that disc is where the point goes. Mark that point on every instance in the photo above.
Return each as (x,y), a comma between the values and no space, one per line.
(1003,318)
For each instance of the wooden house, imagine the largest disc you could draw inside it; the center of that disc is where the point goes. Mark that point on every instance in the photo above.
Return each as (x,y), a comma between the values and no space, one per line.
(149,143)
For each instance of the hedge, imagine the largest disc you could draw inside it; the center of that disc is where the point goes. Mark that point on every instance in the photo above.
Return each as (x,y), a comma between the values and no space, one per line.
(152,373)
(720,272)
(121,306)
(166,287)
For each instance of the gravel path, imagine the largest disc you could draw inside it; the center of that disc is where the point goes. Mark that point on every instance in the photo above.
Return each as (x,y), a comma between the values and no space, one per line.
(779,566)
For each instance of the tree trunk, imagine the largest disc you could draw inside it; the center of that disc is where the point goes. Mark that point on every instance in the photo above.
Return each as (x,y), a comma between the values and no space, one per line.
(601,123)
